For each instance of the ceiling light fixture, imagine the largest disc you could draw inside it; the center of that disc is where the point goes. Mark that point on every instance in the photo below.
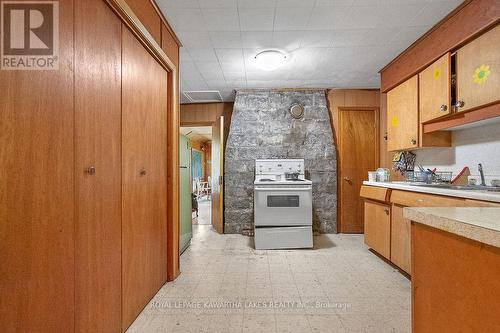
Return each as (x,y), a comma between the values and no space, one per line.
(270,59)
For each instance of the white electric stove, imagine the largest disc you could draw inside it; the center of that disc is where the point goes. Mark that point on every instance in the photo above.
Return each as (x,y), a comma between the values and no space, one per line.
(282,206)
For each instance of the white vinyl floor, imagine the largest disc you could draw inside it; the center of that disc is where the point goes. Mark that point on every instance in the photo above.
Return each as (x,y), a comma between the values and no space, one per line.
(227,286)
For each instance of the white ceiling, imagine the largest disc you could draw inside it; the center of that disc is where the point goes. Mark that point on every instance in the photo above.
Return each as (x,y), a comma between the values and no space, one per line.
(331,43)
(199,133)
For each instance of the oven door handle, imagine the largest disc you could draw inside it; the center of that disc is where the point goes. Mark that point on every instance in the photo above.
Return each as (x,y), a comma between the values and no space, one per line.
(282,189)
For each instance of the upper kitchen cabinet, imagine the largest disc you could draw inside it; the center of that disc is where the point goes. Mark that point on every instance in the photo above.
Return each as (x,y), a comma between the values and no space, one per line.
(404,129)
(434,89)
(478,72)
(402,116)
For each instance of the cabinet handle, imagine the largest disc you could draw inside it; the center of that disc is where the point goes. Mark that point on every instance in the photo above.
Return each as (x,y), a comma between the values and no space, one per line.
(413,141)
(347,179)
(386,210)
(459,104)
(443,108)
(90,170)
(142,172)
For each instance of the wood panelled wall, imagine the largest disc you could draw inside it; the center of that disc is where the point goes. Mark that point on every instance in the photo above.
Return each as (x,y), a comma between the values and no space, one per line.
(206,114)
(79,218)
(463,24)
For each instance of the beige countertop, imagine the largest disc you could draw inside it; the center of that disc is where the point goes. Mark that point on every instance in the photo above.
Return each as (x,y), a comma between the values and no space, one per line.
(479,224)
(469,194)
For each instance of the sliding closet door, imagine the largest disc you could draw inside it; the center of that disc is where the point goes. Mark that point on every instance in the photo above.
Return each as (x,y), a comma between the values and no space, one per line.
(37,193)
(98,168)
(144,107)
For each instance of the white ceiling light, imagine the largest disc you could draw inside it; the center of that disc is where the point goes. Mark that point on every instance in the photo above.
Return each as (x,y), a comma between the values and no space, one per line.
(270,59)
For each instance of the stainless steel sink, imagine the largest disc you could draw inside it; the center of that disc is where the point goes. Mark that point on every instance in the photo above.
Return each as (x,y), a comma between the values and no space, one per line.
(461,187)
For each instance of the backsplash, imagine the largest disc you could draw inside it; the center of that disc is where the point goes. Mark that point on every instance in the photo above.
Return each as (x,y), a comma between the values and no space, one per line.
(262,128)
(470,146)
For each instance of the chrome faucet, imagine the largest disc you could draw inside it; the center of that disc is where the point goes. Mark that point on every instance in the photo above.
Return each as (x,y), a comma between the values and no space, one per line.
(481,172)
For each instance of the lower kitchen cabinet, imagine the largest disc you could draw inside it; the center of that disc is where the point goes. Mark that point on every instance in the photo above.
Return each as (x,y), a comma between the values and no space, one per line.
(378,227)
(400,239)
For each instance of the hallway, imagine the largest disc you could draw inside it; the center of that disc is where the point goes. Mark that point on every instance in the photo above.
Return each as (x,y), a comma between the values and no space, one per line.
(227,286)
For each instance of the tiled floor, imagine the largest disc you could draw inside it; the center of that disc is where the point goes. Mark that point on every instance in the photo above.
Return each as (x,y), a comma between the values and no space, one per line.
(204,212)
(227,286)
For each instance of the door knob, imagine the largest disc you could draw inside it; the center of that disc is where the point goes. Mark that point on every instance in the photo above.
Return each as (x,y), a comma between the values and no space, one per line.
(443,108)
(459,104)
(90,170)
(142,172)
(413,141)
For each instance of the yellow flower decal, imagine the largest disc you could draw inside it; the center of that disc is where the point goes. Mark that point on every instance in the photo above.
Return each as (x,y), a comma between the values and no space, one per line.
(437,73)
(394,121)
(481,74)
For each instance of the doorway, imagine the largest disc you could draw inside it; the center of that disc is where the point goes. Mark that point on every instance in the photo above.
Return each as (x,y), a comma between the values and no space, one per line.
(358,153)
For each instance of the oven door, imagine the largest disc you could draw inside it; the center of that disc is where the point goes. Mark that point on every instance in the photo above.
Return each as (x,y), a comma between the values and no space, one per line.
(275,206)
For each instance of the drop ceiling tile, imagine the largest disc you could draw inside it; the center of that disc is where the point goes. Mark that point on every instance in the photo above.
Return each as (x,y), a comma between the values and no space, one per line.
(257,39)
(256,19)
(233,76)
(256,3)
(323,3)
(202,54)
(164,4)
(216,84)
(184,55)
(200,39)
(241,83)
(395,16)
(360,17)
(317,38)
(434,12)
(295,3)
(324,18)
(287,40)
(221,19)
(226,39)
(186,19)
(289,18)
(230,56)
(216,3)
(210,70)
(409,34)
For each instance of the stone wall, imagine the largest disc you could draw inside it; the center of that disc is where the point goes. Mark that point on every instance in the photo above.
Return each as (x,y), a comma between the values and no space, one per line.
(262,127)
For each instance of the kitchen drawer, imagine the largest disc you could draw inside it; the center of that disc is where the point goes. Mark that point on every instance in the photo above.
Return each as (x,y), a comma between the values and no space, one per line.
(415,199)
(375,193)
(283,238)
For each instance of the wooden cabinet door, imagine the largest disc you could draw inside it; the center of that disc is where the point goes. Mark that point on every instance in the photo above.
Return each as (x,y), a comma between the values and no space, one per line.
(217,194)
(378,227)
(37,193)
(402,116)
(98,145)
(434,90)
(144,112)
(478,71)
(400,239)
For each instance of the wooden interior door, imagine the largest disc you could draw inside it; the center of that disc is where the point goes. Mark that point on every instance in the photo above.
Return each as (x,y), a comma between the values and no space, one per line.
(478,71)
(37,193)
(98,146)
(144,140)
(402,116)
(435,89)
(358,154)
(218,175)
